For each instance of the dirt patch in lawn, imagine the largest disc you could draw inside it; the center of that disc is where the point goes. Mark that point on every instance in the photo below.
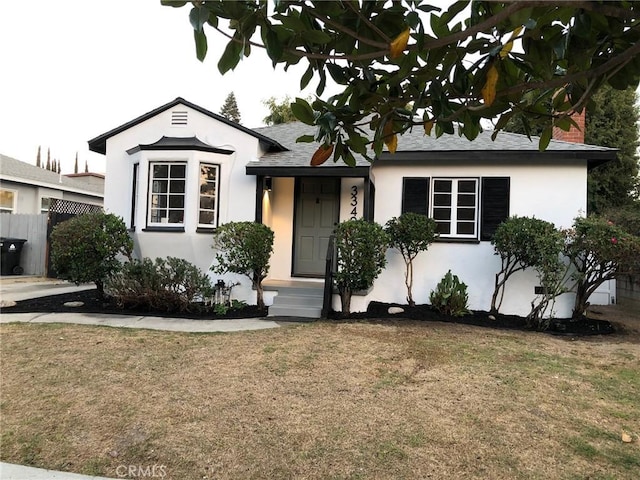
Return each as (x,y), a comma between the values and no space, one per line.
(392,399)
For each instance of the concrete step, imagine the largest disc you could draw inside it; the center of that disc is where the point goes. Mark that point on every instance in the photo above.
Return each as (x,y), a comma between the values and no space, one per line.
(297,302)
(302,300)
(294,311)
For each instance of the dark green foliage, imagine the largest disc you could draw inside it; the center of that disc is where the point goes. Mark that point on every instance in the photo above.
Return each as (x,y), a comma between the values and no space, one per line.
(599,251)
(410,233)
(626,217)
(230,110)
(611,121)
(87,248)
(244,248)
(521,243)
(38,159)
(453,66)
(169,285)
(450,296)
(361,247)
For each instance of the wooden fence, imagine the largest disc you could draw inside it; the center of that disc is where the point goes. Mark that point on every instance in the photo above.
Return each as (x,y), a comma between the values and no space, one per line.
(33,228)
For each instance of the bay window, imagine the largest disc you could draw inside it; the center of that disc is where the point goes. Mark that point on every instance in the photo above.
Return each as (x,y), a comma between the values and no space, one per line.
(167,188)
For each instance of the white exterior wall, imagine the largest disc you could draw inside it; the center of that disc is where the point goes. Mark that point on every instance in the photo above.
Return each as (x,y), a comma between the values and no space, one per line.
(236,189)
(28,198)
(556,193)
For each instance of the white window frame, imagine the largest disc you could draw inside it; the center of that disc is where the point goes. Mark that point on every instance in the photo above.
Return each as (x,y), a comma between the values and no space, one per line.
(168,193)
(455,208)
(14,201)
(215,211)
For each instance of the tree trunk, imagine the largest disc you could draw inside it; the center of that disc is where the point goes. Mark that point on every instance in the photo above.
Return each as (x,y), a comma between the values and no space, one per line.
(100,289)
(408,281)
(581,303)
(345,300)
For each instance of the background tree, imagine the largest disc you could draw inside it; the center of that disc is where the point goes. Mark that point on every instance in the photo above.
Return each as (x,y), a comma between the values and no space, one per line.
(611,121)
(48,166)
(87,248)
(455,65)
(86,166)
(75,166)
(279,112)
(38,160)
(229,109)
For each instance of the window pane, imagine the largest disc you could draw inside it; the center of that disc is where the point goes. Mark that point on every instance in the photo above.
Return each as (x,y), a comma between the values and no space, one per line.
(161,171)
(466,214)
(442,200)
(208,189)
(208,173)
(6,199)
(467,186)
(442,185)
(158,201)
(466,200)
(208,203)
(443,228)
(176,201)
(178,171)
(466,228)
(160,186)
(157,215)
(176,186)
(442,214)
(207,218)
(176,216)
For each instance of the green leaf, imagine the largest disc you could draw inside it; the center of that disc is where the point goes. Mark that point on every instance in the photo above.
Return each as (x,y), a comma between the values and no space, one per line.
(306,139)
(201,44)
(337,73)
(306,78)
(173,3)
(198,16)
(545,138)
(303,111)
(316,36)
(230,57)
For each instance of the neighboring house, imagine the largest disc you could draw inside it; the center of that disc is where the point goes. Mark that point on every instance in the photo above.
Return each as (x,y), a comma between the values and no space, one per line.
(176,173)
(25,188)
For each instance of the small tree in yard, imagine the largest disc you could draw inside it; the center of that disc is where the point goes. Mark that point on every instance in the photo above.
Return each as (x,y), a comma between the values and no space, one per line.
(410,233)
(361,247)
(599,251)
(521,243)
(244,248)
(86,248)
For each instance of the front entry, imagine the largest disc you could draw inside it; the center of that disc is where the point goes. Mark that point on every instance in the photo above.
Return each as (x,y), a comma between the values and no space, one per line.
(317,211)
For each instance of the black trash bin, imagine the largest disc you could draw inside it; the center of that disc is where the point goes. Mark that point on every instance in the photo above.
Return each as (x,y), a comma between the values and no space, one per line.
(11,248)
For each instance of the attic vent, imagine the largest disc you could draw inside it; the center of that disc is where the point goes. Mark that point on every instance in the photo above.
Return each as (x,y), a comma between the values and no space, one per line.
(178,118)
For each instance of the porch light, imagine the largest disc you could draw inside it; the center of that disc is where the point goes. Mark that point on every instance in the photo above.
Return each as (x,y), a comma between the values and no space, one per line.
(268,184)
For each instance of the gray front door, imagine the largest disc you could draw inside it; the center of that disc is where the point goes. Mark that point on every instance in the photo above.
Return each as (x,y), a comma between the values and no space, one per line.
(317,213)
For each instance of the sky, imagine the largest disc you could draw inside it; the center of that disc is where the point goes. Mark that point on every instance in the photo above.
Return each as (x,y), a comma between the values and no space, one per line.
(71,70)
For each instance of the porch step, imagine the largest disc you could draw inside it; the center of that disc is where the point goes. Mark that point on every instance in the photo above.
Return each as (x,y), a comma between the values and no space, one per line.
(297,302)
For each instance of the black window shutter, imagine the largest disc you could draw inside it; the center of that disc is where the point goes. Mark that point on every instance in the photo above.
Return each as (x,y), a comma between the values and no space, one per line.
(495,205)
(415,195)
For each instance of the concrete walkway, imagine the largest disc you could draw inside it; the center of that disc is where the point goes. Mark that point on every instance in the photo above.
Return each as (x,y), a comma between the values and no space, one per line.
(22,288)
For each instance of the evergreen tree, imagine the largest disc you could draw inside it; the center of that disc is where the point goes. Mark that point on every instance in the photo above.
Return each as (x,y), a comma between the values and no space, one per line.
(59,166)
(54,165)
(86,166)
(75,167)
(230,110)
(48,166)
(279,112)
(612,121)
(38,160)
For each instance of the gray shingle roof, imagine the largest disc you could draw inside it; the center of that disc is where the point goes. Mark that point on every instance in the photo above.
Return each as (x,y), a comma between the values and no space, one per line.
(16,170)
(299,154)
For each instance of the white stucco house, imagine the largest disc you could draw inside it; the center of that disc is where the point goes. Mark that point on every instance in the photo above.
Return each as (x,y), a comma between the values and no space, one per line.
(177,172)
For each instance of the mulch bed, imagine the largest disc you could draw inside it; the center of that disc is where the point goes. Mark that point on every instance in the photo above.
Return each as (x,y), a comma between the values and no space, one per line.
(378,312)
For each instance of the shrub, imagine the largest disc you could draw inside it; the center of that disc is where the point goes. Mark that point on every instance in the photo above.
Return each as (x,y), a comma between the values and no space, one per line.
(170,285)
(599,251)
(244,248)
(450,296)
(521,243)
(361,247)
(410,233)
(86,248)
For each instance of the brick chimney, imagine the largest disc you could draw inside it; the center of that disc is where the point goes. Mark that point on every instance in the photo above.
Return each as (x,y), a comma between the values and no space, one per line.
(574,135)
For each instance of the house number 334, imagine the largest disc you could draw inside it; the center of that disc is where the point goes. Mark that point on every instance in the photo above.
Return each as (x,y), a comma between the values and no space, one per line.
(354,202)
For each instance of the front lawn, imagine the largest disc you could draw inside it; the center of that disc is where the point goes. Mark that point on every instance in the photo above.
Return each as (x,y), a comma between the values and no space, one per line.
(346,401)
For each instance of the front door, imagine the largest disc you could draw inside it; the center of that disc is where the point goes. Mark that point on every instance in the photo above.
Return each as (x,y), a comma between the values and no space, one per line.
(317,213)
